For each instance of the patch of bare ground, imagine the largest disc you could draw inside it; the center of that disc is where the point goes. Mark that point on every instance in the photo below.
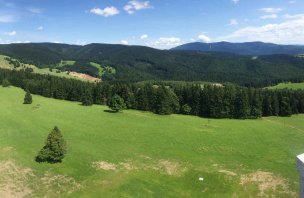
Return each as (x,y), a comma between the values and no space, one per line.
(168,167)
(14,180)
(59,184)
(230,173)
(267,182)
(84,76)
(103,165)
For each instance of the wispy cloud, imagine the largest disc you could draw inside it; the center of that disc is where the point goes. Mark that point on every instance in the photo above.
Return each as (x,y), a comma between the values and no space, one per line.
(34,10)
(134,5)
(233,22)
(7,18)
(270,16)
(235,1)
(271,10)
(290,31)
(12,33)
(106,12)
(40,28)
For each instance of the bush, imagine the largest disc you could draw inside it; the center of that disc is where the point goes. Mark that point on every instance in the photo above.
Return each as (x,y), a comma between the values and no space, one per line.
(5,83)
(54,149)
(28,98)
(117,103)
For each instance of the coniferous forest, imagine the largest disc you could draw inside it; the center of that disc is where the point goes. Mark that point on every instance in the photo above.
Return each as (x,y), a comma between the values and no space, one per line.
(210,101)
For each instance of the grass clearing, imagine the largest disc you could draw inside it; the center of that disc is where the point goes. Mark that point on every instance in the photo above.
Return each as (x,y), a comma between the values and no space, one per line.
(140,154)
(288,85)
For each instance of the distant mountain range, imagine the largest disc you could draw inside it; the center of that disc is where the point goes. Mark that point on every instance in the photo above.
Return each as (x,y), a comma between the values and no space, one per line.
(137,63)
(249,48)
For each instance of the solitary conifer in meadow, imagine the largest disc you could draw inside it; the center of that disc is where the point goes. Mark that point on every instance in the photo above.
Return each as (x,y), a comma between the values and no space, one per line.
(28,98)
(54,149)
(117,103)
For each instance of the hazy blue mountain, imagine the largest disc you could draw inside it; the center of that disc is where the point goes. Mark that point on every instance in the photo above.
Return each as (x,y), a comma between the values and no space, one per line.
(248,48)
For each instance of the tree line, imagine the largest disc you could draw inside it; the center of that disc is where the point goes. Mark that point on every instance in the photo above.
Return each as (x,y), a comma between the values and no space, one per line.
(211,101)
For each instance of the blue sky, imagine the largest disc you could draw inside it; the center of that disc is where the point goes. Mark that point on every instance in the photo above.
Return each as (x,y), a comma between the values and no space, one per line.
(155,23)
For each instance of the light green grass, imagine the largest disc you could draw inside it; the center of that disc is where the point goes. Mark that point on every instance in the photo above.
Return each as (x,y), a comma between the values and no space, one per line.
(196,147)
(288,86)
(66,62)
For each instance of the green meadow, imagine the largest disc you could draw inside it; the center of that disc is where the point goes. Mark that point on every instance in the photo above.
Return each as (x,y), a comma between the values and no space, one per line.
(288,85)
(140,154)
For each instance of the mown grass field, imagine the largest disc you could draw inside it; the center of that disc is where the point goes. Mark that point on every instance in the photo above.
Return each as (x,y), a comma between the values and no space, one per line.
(288,86)
(139,154)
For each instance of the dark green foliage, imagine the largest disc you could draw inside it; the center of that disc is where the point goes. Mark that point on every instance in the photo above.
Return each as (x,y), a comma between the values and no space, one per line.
(117,103)
(55,148)
(211,101)
(87,99)
(5,83)
(28,98)
(136,63)
(186,109)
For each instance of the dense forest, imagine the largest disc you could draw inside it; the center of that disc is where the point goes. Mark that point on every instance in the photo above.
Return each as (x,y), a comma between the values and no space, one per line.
(211,101)
(138,63)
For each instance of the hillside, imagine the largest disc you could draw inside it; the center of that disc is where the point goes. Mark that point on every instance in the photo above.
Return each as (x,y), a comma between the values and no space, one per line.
(288,85)
(137,63)
(115,155)
(249,48)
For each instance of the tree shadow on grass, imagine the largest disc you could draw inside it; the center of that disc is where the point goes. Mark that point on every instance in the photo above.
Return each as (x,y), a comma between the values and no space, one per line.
(110,111)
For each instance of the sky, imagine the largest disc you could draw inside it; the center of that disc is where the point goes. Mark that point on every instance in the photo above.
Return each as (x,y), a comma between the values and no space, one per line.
(160,24)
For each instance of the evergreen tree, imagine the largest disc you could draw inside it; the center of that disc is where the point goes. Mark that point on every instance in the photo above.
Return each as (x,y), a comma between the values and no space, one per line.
(28,98)
(117,103)
(186,109)
(54,149)
(285,109)
(241,105)
(87,99)
(5,83)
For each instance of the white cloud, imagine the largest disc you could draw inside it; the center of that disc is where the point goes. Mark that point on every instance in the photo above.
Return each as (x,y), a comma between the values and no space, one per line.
(124,42)
(270,16)
(134,5)
(13,33)
(144,36)
(292,2)
(271,10)
(40,28)
(204,38)
(233,22)
(106,12)
(290,31)
(235,1)
(166,42)
(34,10)
(7,18)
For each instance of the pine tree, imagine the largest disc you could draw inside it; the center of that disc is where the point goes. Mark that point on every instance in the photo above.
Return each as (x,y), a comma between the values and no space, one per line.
(28,98)
(54,149)
(5,83)
(87,99)
(117,103)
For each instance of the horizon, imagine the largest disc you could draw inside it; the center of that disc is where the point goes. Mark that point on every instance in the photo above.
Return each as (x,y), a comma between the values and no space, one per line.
(152,23)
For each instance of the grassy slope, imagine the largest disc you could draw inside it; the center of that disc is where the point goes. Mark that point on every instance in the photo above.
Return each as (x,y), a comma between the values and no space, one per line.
(240,146)
(288,85)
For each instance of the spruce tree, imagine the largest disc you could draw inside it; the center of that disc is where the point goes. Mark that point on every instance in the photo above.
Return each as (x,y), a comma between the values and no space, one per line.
(54,149)
(117,103)
(28,98)
(87,99)
(5,83)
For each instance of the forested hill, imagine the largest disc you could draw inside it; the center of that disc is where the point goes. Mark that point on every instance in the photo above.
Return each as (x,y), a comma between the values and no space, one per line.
(248,48)
(136,63)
